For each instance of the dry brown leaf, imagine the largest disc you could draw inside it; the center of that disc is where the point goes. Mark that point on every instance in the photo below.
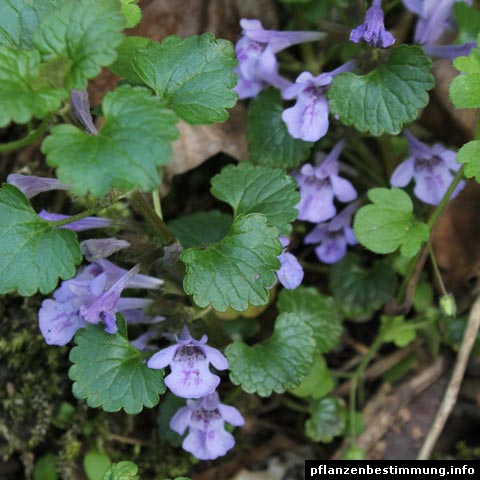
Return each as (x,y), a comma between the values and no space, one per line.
(197,143)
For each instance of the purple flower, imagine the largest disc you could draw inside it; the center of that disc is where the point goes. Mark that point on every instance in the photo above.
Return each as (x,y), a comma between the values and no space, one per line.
(60,317)
(189,360)
(319,185)
(372,30)
(308,118)
(435,16)
(81,110)
(449,51)
(255,51)
(205,418)
(432,169)
(95,249)
(334,236)
(290,274)
(86,223)
(31,185)
(105,306)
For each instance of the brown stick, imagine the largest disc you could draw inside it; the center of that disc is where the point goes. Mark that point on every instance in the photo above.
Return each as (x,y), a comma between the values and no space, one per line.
(451,394)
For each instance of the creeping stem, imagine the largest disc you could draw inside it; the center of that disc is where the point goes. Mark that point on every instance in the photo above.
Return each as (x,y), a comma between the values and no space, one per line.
(30,138)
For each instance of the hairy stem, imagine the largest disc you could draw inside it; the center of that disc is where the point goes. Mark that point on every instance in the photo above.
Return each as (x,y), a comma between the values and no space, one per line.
(140,204)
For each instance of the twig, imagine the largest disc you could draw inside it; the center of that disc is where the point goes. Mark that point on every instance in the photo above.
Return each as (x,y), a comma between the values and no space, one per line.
(451,394)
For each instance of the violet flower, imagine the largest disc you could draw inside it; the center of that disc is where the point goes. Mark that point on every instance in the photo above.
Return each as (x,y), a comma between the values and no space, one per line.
(290,274)
(432,168)
(449,52)
(435,17)
(255,51)
(189,360)
(60,317)
(205,418)
(86,223)
(95,249)
(319,185)
(372,30)
(334,236)
(30,185)
(80,106)
(105,306)
(308,118)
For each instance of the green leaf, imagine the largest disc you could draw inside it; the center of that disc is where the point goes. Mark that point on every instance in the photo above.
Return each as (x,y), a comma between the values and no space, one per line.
(386,98)
(469,155)
(361,291)
(20,18)
(397,330)
(126,153)
(269,142)
(131,12)
(467,19)
(465,89)
(236,271)
(256,189)
(277,364)
(108,372)
(96,464)
(34,254)
(201,228)
(318,311)
(194,75)
(45,468)
(453,331)
(24,93)
(86,33)
(389,223)
(318,382)
(328,419)
(123,66)
(122,471)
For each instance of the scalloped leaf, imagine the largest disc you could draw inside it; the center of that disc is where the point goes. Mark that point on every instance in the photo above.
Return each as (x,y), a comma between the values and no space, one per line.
(277,364)
(86,33)
(236,271)
(134,141)
(24,91)
(269,142)
(327,421)
(109,373)
(316,309)
(248,188)
(386,98)
(34,254)
(389,223)
(195,75)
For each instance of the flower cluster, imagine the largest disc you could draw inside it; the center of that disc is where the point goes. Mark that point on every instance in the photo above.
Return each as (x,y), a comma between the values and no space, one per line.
(93,296)
(190,378)
(319,185)
(430,167)
(257,64)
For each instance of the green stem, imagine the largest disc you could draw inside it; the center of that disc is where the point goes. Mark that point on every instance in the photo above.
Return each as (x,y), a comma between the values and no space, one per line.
(436,270)
(140,204)
(30,138)
(431,224)
(357,376)
(78,216)
(288,402)
(157,206)
(443,203)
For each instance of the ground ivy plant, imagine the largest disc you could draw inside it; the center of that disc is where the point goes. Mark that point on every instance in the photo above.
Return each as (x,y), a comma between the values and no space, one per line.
(250,293)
